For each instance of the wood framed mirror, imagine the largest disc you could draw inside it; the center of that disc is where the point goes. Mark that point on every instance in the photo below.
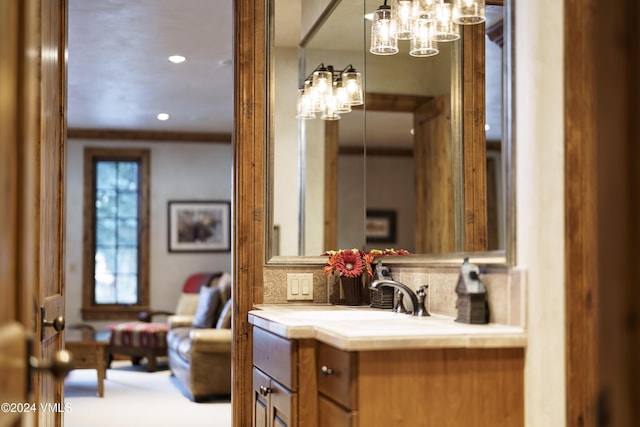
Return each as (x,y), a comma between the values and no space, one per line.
(473,214)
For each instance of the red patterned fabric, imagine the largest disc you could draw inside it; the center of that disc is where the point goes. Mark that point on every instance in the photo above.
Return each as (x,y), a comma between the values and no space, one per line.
(139,335)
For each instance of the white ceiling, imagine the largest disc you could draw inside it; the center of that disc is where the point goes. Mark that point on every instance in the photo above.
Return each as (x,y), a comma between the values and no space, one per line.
(119,76)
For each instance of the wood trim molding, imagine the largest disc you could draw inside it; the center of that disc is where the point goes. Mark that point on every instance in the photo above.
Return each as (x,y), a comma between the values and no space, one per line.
(393,102)
(148,135)
(580,233)
(248,205)
(474,140)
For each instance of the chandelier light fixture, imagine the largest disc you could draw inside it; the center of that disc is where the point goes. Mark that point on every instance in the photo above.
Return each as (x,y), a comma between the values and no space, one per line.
(329,93)
(424,22)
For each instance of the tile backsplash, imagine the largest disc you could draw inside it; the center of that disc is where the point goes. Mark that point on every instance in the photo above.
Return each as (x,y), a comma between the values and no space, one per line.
(506,288)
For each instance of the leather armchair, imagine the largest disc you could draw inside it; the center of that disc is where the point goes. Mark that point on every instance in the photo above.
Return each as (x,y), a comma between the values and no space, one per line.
(200,357)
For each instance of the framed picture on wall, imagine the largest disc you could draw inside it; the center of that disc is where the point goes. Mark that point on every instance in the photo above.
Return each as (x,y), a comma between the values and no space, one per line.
(381,226)
(199,226)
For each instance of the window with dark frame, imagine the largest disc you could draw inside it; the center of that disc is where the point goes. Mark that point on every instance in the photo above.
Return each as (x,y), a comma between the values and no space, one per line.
(116,232)
(116,215)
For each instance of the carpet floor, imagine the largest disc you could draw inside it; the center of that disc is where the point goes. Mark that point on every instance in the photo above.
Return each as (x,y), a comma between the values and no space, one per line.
(134,397)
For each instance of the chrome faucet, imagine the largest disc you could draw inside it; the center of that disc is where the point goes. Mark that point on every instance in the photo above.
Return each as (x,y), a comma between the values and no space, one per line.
(405,290)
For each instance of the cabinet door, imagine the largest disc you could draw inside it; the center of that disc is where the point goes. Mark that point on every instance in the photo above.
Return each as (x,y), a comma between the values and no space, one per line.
(261,387)
(273,404)
(283,406)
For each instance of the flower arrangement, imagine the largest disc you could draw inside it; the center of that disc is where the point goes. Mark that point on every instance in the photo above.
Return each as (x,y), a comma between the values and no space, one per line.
(354,262)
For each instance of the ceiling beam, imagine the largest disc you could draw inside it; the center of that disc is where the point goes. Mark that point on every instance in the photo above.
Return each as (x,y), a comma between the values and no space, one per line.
(148,135)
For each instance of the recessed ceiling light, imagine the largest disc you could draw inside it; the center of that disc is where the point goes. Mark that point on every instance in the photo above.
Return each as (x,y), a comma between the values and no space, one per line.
(177,59)
(369,16)
(162,116)
(487,127)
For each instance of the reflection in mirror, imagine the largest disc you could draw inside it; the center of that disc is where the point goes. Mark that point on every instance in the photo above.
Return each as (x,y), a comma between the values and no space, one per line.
(334,196)
(418,121)
(319,172)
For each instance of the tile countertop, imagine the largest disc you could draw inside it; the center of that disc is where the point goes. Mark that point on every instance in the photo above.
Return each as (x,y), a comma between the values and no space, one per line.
(364,328)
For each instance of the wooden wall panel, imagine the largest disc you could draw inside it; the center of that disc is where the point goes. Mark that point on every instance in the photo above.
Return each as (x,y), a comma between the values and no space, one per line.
(433,165)
(580,238)
(474,145)
(248,193)
(9,137)
(607,39)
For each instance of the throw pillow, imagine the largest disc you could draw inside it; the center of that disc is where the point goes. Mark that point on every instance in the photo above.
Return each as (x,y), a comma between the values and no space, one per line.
(187,303)
(207,308)
(224,321)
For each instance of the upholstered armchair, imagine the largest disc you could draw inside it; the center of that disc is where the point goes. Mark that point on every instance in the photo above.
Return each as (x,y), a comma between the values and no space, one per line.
(147,337)
(199,345)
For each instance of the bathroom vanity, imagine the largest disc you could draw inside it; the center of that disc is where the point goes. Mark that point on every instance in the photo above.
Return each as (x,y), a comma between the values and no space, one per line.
(321,365)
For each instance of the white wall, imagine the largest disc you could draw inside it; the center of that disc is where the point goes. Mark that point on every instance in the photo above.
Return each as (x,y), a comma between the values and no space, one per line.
(180,171)
(391,186)
(286,182)
(540,203)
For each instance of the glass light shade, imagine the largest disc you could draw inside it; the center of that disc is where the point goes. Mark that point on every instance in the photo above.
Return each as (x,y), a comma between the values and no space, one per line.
(401,11)
(424,9)
(321,86)
(304,106)
(383,40)
(422,43)
(331,109)
(322,80)
(352,82)
(341,97)
(445,29)
(468,11)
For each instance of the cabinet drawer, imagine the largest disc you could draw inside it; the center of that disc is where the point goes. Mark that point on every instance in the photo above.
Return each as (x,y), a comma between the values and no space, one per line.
(277,357)
(332,415)
(337,375)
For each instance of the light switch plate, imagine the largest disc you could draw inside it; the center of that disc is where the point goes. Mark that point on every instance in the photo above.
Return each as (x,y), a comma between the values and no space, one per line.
(300,286)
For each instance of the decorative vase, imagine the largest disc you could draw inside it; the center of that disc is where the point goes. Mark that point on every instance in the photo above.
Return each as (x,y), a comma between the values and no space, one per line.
(352,288)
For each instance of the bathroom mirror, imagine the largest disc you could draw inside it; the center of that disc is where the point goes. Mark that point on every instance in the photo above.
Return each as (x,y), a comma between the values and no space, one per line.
(304,193)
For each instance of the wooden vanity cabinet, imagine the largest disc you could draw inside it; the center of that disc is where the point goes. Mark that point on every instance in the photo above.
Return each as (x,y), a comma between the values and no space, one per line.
(284,381)
(421,387)
(308,383)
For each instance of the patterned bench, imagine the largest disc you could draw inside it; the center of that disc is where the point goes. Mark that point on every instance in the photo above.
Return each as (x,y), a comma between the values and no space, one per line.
(138,340)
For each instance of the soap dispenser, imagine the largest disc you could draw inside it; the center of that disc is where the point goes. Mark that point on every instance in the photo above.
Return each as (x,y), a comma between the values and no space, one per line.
(472,303)
(383,297)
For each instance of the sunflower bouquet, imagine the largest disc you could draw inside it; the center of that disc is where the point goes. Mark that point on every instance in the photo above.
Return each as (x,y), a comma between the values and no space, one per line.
(355,262)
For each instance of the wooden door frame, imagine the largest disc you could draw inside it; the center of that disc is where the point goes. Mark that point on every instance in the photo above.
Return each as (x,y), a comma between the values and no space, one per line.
(374,102)
(248,207)
(602,204)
